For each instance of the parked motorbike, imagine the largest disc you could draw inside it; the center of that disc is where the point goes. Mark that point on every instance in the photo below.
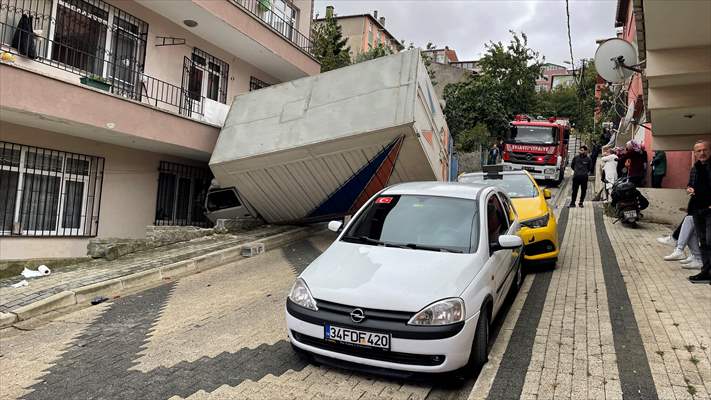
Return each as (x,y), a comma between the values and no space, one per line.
(627,201)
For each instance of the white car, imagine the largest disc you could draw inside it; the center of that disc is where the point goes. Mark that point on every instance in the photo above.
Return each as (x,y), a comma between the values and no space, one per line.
(413,282)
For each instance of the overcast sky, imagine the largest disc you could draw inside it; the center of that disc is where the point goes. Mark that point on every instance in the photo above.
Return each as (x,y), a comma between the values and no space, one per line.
(466,25)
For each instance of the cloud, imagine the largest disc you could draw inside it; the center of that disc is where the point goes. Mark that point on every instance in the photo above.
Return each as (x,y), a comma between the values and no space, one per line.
(467,25)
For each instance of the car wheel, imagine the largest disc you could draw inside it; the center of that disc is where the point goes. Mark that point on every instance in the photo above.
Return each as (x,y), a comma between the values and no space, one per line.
(518,280)
(480,348)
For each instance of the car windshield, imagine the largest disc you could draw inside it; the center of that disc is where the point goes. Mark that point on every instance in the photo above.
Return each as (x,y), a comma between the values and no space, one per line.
(417,222)
(532,134)
(515,185)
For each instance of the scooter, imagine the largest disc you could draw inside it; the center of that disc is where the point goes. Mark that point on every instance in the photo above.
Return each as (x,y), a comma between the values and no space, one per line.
(627,201)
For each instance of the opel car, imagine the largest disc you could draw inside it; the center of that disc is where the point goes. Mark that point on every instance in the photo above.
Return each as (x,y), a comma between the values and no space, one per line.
(539,230)
(413,281)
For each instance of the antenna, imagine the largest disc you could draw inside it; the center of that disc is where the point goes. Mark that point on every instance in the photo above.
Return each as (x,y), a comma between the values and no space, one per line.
(616,60)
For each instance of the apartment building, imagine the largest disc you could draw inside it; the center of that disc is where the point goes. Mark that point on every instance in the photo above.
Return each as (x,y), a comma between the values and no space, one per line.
(552,76)
(364,32)
(109,110)
(669,106)
(447,56)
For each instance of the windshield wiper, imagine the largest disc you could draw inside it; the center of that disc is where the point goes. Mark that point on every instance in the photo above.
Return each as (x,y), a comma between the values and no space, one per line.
(431,248)
(364,239)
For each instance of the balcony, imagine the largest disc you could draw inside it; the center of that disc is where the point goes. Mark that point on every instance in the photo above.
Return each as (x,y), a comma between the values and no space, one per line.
(246,29)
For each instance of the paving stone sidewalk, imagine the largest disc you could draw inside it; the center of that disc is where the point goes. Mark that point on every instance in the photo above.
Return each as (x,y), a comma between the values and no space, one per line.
(100,270)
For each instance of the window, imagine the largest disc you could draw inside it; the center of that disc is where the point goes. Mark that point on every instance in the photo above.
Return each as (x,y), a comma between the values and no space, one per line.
(497,222)
(181,194)
(207,77)
(508,208)
(47,192)
(222,199)
(287,16)
(437,222)
(532,134)
(515,185)
(95,37)
(256,84)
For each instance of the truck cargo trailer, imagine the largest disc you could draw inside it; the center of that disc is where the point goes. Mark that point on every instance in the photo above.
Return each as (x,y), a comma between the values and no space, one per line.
(317,148)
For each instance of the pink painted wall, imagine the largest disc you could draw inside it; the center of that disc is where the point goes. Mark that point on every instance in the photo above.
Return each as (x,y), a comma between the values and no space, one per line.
(128,196)
(678,162)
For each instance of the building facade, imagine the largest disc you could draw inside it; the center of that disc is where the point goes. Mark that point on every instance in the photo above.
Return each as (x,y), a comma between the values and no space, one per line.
(447,56)
(552,76)
(669,106)
(364,32)
(109,110)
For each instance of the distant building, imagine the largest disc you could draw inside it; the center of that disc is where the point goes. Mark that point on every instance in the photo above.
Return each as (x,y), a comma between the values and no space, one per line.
(448,56)
(363,31)
(553,75)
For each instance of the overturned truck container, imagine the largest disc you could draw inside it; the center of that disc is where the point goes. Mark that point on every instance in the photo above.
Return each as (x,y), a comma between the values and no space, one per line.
(317,148)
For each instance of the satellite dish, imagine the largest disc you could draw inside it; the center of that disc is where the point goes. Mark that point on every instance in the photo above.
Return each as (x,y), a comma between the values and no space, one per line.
(615,60)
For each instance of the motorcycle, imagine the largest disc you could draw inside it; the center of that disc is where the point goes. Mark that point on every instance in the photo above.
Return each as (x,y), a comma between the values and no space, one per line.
(627,201)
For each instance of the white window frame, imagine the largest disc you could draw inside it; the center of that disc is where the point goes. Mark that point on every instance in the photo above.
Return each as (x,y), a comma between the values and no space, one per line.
(64,177)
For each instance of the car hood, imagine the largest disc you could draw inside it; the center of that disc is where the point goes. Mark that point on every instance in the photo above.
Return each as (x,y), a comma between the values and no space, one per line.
(530,207)
(388,278)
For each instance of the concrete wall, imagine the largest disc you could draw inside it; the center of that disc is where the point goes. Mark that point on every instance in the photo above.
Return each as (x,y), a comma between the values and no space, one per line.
(128,199)
(665,205)
(446,74)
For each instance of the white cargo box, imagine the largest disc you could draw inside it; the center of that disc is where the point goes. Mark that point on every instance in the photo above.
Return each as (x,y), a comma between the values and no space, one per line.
(318,147)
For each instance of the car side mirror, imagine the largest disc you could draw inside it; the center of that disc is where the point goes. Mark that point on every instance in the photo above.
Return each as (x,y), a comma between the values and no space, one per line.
(506,242)
(335,226)
(547,194)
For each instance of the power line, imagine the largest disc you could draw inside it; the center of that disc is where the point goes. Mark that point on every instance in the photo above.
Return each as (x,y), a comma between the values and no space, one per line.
(570,40)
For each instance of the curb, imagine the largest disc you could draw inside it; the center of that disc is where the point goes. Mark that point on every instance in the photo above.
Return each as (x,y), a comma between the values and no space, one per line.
(113,287)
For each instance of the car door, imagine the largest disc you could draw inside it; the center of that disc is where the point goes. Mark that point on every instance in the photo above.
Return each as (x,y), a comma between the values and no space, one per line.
(497,224)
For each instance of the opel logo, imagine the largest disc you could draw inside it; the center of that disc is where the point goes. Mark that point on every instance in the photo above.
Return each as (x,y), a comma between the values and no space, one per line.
(357,315)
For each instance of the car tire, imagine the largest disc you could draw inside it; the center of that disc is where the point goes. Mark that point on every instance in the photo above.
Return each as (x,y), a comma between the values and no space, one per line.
(480,348)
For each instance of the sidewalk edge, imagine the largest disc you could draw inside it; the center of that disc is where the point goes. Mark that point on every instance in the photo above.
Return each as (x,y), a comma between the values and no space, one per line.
(143,279)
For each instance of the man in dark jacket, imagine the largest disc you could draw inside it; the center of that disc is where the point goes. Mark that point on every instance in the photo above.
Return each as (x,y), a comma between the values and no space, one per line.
(659,168)
(581,165)
(699,189)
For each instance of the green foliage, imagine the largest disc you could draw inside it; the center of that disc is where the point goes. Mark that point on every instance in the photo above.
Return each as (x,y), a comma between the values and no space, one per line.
(505,87)
(472,139)
(330,47)
(378,51)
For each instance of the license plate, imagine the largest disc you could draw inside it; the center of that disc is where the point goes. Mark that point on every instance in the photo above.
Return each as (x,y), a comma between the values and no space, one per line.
(530,169)
(356,337)
(630,214)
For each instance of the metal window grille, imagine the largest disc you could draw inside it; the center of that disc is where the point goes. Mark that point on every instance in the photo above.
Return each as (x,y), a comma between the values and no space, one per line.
(181,194)
(90,38)
(45,192)
(256,84)
(206,75)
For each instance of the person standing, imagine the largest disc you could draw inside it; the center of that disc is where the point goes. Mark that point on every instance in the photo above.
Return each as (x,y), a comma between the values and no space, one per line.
(633,159)
(493,154)
(581,165)
(699,188)
(609,170)
(659,168)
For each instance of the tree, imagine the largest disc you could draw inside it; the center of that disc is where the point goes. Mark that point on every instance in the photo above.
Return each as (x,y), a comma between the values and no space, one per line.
(330,47)
(472,139)
(515,67)
(378,51)
(505,87)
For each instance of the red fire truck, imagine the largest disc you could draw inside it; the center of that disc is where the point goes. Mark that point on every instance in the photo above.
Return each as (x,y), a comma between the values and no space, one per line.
(538,146)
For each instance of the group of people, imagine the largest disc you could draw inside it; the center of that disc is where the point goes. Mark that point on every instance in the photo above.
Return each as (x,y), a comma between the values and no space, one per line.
(694,231)
(629,162)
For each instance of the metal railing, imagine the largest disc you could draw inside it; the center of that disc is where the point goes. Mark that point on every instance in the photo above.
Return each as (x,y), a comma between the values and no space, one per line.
(286,29)
(103,70)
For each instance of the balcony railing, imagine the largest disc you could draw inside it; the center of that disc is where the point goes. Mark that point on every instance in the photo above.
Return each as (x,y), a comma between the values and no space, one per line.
(99,67)
(286,29)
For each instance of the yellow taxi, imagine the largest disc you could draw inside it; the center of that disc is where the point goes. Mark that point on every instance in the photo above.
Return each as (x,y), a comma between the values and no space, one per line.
(539,230)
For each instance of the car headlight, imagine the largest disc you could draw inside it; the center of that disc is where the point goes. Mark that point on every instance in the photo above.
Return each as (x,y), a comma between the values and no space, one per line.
(443,312)
(539,222)
(301,295)
(549,171)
